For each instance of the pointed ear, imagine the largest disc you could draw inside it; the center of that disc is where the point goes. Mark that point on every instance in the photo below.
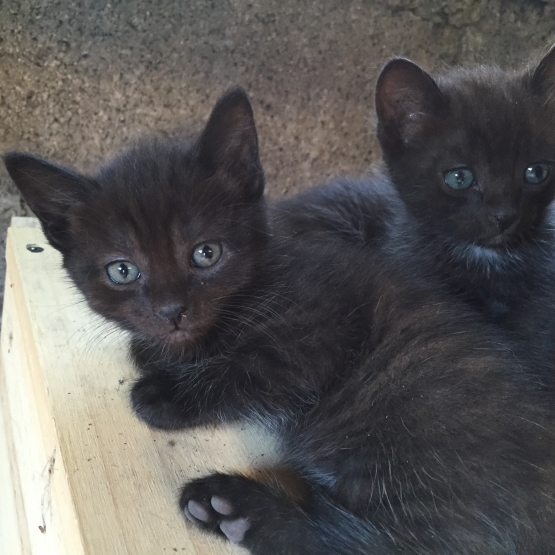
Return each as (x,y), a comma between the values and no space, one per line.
(406,99)
(49,190)
(543,79)
(229,142)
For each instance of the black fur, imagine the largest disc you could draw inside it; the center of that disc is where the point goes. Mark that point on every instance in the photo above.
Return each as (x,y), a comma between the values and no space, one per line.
(492,244)
(408,420)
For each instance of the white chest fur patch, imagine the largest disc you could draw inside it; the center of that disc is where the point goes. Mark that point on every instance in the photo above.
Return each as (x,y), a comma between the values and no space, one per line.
(486,258)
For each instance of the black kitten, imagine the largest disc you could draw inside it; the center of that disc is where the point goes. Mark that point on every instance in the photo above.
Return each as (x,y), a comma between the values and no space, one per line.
(472,155)
(411,428)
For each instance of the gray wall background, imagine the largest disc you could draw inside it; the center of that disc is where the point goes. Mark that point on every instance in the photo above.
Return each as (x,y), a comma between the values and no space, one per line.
(79,80)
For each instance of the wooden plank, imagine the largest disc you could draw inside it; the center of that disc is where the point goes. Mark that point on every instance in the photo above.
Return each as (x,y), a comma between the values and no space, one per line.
(51,520)
(14,537)
(114,482)
(22,221)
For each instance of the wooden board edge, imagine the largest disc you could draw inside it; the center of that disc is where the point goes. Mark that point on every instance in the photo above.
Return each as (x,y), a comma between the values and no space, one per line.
(21,221)
(65,532)
(14,536)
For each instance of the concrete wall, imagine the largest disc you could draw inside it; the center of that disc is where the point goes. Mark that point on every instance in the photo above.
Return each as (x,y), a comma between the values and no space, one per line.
(78,80)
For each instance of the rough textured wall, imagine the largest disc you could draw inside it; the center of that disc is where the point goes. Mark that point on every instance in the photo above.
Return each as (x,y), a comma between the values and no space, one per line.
(78,80)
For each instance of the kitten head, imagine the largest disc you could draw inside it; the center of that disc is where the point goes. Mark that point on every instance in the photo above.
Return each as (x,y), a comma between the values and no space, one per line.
(163,236)
(473,152)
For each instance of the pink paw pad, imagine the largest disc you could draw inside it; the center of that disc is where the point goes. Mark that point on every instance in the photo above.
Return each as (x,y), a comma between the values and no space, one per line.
(235,529)
(197,511)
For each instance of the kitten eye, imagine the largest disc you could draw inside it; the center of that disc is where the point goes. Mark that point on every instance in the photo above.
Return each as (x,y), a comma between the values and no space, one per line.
(207,254)
(458,178)
(123,272)
(536,173)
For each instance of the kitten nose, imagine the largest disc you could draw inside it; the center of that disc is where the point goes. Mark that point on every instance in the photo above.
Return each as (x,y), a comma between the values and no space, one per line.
(504,220)
(173,313)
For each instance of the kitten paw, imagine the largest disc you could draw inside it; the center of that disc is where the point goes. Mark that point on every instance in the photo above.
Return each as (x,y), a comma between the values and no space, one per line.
(228,505)
(151,398)
(233,528)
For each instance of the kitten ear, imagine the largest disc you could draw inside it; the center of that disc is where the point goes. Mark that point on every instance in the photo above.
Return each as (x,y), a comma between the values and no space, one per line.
(229,142)
(543,79)
(49,190)
(406,97)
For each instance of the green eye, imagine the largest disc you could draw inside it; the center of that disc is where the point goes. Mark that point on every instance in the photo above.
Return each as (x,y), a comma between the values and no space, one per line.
(207,254)
(536,173)
(123,272)
(459,178)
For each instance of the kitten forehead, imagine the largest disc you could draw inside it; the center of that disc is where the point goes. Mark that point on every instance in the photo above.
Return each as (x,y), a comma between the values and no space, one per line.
(499,116)
(498,97)
(154,203)
(161,181)
(152,170)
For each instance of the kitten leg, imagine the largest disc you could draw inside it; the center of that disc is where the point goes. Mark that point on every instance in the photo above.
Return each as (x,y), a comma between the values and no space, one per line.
(266,523)
(172,402)
(155,400)
(219,390)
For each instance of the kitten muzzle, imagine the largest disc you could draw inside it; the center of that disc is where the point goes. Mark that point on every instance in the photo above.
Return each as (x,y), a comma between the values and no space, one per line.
(173,314)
